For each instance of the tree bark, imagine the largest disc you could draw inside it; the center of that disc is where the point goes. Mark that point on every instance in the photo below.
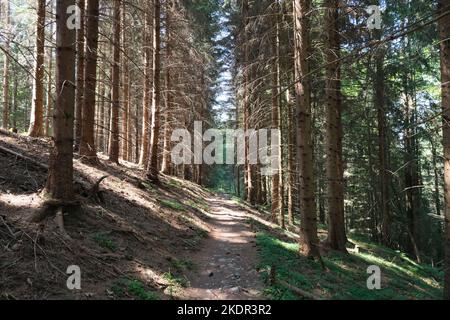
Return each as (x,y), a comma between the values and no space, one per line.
(126,88)
(60,179)
(5,120)
(80,76)
(309,242)
(87,144)
(36,128)
(147,95)
(165,164)
(444,31)
(337,238)
(380,106)
(277,188)
(114,127)
(152,168)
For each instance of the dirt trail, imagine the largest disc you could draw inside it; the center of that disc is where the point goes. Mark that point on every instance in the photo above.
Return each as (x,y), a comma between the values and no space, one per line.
(226,265)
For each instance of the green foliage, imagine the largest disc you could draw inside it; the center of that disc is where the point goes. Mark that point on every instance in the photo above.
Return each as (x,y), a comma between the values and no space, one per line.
(346,276)
(104,241)
(172,204)
(176,281)
(133,287)
(181,264)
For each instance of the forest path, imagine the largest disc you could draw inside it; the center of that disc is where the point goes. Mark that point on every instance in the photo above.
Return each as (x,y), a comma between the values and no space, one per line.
(226,266)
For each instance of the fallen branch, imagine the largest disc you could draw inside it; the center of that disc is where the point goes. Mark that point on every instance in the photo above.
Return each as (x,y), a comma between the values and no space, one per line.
(23,157)
(273,280)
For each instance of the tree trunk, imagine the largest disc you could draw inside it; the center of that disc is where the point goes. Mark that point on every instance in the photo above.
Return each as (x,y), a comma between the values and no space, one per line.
(165,164)
(152,168)
(277,188)
(309,242)
(147,95)
(114,128)
(5,122)
(60,179)
(80,76)
(382,148)
(337,238)
(87,145)
(36,128)
(50,96)
(126,88)
(444,30)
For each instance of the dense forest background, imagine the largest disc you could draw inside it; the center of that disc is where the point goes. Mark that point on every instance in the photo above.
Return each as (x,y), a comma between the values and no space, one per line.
(359,108)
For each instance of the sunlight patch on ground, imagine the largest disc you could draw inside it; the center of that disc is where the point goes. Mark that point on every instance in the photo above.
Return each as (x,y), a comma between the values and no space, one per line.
(20,201)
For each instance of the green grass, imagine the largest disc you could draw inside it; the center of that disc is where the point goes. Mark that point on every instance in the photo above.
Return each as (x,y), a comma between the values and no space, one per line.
(200,205)
(346,276)
(172,204)
(181,264)
(134,288)
(174,183)
(176,281)
(148,186)
(104,241)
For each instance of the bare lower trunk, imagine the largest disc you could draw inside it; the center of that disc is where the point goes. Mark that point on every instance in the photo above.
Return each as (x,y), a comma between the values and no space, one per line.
(309,242)
(152,168)
(60,180)
(444,28)
(87,145)
(335,192)
(114,128)
(147,96)
(36,128)
(80,77)
(5,122)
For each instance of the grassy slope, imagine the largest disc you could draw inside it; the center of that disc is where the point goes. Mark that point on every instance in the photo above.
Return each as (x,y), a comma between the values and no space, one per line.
(346,276)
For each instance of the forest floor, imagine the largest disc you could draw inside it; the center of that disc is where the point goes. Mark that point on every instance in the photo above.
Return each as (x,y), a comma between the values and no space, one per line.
(175,240)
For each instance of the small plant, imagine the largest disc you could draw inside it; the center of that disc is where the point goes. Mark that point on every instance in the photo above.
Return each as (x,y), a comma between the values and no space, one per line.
(134,288)
(176,281)
(181,265)
(172,204)
(148,186)
(174,183)
(105,241)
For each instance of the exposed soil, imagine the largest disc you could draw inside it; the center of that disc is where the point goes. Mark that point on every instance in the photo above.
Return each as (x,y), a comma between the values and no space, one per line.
(139,232)
(226,267)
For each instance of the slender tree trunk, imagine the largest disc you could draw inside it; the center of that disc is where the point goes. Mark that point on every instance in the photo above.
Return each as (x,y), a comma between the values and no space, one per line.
(444,30)
(277,194)
(49,92)
(15,102)
(337,238)
(60,179)
(114,128)
(382,148)
(165,164)
(36,128)
(147,96)
(291,160)
(7,49)
(309,242)
(249,182)
(80,76)
(152,168)
(126,88)
(87,144)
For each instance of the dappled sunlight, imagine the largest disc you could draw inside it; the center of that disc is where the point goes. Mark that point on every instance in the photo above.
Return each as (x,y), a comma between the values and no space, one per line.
(21,200)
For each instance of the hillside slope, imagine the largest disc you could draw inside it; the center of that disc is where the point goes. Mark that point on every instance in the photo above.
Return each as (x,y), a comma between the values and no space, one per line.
(171,241)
